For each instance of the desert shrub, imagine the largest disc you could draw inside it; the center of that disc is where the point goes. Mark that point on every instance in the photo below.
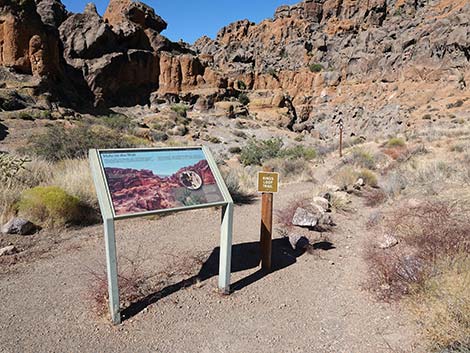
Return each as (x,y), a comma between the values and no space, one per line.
(373,198)
(33,173)
(345,177)
(456,104)
(243,98)
(368,176)
(427,117)
(49,206)
(316,67)
(299,151)
(235,150)
(394,183)
(10,166)
(159,136)
(361,158)
(284,215)
(291,169)
(118,122)
(427,231)
(258,151)
(232,181)
(60,143)
(180,109)
(340,202)
(396,142)
(442,304)
(241,85)
(239,133)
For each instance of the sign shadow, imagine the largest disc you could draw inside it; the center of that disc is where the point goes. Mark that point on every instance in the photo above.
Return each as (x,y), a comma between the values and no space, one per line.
(245,256)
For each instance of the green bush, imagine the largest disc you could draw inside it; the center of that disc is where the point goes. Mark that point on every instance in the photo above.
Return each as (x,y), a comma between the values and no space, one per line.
(299,152)
(256,152)
(396,142)
(241,85)
(243,99)
(369,177)
(362,158)
(316,67)
(118,122)
(180,109)
(49,206)
(59,143)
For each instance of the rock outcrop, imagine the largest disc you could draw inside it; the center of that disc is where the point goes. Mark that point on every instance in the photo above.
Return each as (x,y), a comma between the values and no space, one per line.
(26,44)
(364,61)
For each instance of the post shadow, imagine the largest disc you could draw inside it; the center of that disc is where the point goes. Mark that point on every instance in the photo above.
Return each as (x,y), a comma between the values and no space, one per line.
(245,256)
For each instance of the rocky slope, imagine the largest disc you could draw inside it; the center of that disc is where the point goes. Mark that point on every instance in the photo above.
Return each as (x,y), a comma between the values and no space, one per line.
(378,64)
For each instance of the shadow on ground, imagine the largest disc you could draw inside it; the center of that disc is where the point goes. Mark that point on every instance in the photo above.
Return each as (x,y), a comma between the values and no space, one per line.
(245,256)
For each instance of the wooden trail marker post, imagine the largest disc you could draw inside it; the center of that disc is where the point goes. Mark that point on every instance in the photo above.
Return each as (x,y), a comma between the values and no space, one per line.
(268,183)
(340,124)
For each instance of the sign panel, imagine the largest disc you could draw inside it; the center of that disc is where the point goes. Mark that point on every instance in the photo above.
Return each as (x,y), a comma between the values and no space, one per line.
(268,182)
(148,181)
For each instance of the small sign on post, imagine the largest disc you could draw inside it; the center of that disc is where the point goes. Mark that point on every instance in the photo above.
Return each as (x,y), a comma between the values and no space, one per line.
(341,127)
(268,183)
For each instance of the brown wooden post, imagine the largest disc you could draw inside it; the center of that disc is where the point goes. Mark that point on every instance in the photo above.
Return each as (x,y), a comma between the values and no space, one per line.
(341,138)
(266,227)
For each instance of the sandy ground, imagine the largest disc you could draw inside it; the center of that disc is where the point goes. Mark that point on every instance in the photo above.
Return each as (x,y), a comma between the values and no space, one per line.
(309,303)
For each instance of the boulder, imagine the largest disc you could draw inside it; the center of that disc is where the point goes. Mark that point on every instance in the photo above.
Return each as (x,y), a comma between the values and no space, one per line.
(19,226)
(322,202)
(298,242)
(119,11)
(52,12)
(389,241)
(305,218)
(86,36)
(8,250)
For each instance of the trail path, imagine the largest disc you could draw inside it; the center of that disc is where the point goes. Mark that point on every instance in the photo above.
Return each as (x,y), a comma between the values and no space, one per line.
(312,303)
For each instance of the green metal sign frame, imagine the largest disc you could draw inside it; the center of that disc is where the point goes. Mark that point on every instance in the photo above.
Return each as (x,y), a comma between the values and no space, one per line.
(109,218)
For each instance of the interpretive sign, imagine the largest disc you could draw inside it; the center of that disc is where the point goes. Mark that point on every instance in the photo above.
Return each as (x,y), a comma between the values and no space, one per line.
(139,182)
(268,182)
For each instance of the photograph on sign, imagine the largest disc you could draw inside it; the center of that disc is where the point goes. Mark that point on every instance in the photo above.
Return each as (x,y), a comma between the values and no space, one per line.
(153,180)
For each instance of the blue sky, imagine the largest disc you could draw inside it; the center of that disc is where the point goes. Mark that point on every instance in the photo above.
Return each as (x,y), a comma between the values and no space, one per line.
(191,19)
(160,162)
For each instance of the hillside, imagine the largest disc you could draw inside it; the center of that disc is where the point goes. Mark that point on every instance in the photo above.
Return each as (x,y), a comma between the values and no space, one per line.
(380,65)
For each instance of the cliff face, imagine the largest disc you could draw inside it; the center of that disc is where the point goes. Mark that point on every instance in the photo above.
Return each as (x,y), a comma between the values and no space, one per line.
(314,53)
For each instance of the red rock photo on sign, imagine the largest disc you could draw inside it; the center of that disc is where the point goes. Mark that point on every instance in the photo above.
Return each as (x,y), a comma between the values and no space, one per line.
(137,191)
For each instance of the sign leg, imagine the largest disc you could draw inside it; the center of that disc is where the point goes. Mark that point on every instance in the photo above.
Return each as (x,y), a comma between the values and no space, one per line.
(226,248)
(111,265)
(266,230)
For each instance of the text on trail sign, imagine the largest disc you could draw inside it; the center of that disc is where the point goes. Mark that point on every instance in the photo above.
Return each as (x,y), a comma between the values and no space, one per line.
(268,182)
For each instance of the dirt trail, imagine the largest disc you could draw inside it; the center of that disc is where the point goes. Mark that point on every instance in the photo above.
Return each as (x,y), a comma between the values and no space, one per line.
(310,303)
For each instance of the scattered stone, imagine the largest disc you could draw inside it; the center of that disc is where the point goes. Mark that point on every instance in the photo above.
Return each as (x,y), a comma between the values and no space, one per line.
(19,226)
(322,202)
(304,218)
(298,241)
(389,241)
(8,250)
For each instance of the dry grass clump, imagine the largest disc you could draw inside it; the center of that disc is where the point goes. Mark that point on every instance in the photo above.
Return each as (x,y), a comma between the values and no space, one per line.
(74,176)
(368,177)
(374,197)
(345,177)
(361,158)
(426,232)
(442,304)
(239,194)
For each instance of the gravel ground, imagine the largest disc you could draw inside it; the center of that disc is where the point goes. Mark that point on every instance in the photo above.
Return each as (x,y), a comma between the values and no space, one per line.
(309,303)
